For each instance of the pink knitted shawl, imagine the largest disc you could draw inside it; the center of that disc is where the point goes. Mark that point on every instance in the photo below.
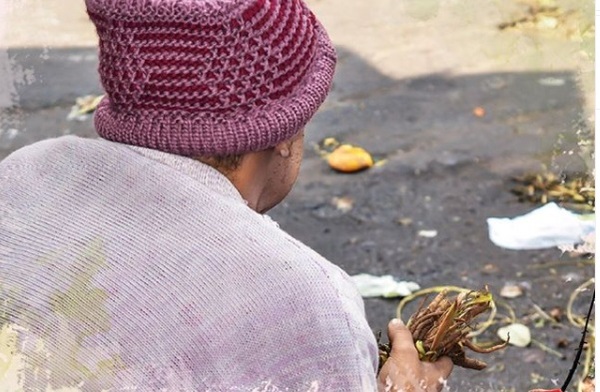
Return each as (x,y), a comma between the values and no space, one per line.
(123,268)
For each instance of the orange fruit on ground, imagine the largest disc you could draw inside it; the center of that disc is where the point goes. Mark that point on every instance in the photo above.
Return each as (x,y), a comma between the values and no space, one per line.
(349,159)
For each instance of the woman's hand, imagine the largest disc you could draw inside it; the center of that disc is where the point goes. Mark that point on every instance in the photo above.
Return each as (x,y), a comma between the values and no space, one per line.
(404,372)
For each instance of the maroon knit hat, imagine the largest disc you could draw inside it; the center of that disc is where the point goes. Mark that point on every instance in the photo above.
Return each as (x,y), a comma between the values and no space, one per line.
(209,77)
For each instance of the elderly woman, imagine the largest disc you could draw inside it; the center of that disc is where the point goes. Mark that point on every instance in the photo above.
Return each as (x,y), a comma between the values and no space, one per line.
(142,261)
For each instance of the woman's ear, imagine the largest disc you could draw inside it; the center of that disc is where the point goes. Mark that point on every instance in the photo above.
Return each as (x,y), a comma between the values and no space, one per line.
(283,149)
(285,152)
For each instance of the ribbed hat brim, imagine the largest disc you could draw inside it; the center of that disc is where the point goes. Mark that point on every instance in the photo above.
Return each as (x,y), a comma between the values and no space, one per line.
(194,134)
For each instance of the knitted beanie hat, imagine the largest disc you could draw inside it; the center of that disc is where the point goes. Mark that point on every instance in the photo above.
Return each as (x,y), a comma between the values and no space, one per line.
(209,77)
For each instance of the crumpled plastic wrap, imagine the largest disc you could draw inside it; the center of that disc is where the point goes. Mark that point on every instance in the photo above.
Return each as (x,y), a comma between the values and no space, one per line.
(385,286)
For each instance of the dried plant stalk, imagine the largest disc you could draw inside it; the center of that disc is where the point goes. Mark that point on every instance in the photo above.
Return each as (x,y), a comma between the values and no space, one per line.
(442,329)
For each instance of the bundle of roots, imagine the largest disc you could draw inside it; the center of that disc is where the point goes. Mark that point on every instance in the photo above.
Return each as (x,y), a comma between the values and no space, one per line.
(443,328)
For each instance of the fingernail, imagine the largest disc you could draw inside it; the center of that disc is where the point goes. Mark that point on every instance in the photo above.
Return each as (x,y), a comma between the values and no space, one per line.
(397,322)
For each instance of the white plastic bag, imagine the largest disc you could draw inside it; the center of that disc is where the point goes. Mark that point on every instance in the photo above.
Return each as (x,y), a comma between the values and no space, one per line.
(546,227)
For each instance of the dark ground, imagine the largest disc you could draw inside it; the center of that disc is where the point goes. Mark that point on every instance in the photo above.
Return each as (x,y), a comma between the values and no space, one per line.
(446,169)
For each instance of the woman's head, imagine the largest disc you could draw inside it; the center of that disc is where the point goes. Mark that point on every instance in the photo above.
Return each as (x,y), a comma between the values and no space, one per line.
(264,177)
(209,78)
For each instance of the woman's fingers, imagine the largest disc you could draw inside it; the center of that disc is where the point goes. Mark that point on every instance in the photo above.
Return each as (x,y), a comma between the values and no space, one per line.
(401,339)
(405,371)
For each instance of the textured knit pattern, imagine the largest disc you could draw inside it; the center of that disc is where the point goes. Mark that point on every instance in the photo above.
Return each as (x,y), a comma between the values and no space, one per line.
(209,77)
(132,269)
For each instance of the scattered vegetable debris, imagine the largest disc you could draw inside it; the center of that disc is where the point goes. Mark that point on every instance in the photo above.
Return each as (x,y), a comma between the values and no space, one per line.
(84,106)
(479,111)
(576,191)
(511,291)
(544,18)
(343,204)
(520,335)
